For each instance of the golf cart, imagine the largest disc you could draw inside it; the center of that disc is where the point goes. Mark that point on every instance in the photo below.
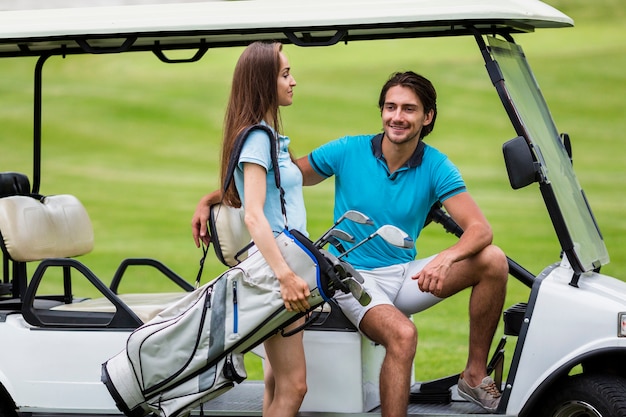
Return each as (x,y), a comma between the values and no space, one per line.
(553,371)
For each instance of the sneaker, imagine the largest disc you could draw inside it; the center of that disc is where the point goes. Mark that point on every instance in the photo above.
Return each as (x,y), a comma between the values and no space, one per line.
(485,395)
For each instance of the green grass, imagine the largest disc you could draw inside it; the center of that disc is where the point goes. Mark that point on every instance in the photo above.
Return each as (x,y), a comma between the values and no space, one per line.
(138,142)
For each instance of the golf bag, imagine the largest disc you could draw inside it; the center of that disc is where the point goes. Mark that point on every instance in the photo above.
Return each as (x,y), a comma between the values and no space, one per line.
(193,350)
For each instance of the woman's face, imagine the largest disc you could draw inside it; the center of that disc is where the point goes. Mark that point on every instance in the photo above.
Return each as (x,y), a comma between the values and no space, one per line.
(285,83)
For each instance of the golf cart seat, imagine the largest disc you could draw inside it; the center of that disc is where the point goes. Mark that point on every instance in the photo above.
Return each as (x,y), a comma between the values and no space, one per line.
(50,230)
(53,230)
(34,228)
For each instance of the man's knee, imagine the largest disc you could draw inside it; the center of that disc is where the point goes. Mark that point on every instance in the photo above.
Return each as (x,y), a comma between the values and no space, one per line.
(498,263)
(389,327)
(403,339)
(409,335)
(406,331)
(491,263)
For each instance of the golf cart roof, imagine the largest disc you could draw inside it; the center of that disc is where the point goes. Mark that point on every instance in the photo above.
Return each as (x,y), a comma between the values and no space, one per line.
(72,30)
(165,25)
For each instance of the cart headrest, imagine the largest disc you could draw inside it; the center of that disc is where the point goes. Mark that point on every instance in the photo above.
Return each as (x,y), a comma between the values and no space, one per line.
(33,229)
(13,183)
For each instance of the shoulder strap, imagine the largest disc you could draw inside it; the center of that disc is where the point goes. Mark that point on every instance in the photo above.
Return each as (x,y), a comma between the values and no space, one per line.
(240,140)
(232,163)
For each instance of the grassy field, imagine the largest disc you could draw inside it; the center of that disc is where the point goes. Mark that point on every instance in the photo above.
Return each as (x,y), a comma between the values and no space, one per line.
(138,141)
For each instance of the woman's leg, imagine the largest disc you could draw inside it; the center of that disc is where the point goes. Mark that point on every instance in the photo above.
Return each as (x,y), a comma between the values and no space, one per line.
(269,386)
(285,374)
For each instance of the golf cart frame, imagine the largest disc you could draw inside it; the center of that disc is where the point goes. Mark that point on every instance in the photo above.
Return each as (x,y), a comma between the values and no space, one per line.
(535,375)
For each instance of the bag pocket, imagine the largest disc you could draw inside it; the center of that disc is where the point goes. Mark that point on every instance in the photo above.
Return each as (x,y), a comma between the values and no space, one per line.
(162,351)
(210,383)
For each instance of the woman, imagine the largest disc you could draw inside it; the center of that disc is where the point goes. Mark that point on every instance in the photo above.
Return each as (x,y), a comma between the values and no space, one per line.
(262,82)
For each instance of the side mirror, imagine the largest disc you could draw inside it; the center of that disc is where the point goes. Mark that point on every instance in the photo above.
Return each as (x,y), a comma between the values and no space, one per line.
(520,164)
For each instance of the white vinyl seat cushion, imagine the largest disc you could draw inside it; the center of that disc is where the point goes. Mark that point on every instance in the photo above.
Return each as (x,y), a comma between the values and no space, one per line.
(145,305)
(58,226)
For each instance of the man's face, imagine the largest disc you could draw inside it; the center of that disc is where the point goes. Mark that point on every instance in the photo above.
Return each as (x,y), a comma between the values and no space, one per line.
(403,115)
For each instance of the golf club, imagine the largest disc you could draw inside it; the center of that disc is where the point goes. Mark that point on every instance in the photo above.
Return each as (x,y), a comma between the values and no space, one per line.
(335,237)
(347,279)
(391,234)
(352,215)
(354,282)
(339,234)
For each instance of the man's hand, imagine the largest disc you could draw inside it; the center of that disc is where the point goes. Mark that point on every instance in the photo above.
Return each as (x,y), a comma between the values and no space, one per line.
(201,217)
(433,276)
(477,235)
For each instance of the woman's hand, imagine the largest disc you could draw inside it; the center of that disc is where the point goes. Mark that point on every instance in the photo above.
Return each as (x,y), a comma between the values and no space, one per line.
(295,292)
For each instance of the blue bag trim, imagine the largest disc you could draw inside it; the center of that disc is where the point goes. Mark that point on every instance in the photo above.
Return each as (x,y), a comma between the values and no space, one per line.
(316,259)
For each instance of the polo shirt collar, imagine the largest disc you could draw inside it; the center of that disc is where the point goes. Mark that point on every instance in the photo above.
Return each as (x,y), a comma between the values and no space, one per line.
(414,161)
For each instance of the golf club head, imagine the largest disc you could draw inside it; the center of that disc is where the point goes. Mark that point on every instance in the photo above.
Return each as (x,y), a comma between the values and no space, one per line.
(341,235)
(391,234)
(395,236)
(333,236)
(337,273)
(352,281)
(357,291)
(350,271)
(352,215)
(357,217)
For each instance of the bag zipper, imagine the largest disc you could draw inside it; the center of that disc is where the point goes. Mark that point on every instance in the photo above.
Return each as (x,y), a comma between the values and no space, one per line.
(235,309)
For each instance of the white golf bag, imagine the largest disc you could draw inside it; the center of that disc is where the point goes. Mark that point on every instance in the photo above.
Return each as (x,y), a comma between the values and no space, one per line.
(193,351)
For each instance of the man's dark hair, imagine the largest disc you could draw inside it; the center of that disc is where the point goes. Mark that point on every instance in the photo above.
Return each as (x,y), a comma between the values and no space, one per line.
(421,87)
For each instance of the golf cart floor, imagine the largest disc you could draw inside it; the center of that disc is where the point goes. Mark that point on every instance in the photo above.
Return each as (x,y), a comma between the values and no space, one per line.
(246,400)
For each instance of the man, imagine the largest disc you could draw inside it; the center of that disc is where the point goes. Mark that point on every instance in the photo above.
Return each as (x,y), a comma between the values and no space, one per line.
(395,178)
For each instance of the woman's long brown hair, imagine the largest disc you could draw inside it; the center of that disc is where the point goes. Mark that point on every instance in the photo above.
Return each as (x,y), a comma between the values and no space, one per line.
(253,98)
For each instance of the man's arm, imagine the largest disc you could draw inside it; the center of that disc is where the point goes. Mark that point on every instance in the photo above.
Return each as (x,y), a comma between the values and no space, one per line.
(201,216)
(477,235)
(309,176)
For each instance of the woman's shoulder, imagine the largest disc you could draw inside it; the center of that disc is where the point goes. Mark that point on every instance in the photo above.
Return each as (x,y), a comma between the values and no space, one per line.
(259,137)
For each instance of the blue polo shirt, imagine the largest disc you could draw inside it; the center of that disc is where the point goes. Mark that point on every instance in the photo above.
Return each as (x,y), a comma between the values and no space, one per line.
(256,150)
(403,198)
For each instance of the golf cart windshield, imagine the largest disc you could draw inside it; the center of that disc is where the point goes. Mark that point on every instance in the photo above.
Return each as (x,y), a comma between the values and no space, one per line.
(579,235)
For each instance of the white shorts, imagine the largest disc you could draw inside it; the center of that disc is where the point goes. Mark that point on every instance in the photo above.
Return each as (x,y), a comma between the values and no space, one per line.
(390,285)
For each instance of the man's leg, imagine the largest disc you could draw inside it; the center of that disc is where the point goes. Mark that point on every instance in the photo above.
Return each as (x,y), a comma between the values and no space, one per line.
(487,274)
(485,311)
(386,325)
